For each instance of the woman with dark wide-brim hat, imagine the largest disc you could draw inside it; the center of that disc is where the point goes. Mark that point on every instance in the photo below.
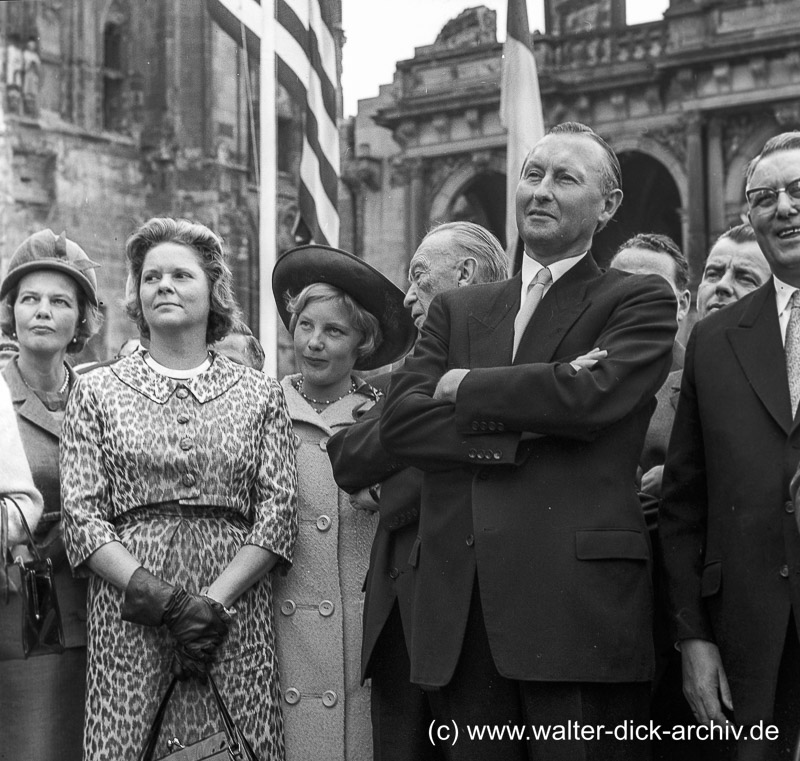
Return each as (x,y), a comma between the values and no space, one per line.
(49,305)
(343,315)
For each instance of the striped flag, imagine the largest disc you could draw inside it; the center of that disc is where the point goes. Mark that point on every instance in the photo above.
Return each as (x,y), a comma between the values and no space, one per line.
(306,66)
(520,106)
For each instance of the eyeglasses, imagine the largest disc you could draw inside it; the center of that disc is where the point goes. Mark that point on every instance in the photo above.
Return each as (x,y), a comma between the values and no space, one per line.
(766,199)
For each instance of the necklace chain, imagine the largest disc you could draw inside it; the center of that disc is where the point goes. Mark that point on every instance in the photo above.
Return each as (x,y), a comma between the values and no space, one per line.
(298,384)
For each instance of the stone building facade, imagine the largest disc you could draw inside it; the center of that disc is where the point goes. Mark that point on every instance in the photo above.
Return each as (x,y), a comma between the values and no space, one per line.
(685,101)
(114,111)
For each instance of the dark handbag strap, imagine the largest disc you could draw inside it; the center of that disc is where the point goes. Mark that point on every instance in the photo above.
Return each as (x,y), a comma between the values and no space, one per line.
(238,747)
(31,543)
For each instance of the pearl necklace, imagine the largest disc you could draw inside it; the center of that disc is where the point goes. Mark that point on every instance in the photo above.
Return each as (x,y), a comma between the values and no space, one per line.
(298,384)
(39,390)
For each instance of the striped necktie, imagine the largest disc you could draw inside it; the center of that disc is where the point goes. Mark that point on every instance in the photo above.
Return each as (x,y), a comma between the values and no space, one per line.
(793,351)
(532,299)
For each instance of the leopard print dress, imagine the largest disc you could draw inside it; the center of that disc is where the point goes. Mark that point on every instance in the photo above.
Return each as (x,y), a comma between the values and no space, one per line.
(183,474)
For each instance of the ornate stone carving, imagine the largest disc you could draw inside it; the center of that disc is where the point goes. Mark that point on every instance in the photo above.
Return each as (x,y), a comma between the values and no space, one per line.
(722,76)
(474,26)
(736,130)
(788,114)
(758,68)
(441,123)
(473,118)
(673,138)
(406,133)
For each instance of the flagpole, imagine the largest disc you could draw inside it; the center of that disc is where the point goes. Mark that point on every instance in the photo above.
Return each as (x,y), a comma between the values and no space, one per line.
(268,192)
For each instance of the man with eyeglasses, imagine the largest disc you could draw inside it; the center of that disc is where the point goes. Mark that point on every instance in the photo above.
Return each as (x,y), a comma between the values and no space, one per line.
(728,535)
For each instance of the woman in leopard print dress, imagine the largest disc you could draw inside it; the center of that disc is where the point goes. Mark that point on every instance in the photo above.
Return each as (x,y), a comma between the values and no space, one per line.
(179,483)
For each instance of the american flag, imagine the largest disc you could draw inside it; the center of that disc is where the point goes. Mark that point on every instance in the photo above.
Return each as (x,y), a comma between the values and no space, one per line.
(305,53)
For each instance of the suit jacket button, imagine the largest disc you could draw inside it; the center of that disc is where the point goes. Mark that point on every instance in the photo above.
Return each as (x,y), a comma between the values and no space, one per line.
(394,573)
(492,426)
(325,608)
(288,607)
(470,540)
(784,571)
(472,454)
(501,427)
(479,454)
(497,454)
(323,523)
(475,425)
(292,696)
(788,506)
(329,699)
(484,426)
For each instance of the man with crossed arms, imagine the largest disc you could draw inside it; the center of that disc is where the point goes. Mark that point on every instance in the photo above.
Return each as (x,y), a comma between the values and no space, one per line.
(533,599)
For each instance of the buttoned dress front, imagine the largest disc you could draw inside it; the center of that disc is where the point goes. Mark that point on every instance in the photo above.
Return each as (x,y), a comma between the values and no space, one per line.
(183,473)
(319,604)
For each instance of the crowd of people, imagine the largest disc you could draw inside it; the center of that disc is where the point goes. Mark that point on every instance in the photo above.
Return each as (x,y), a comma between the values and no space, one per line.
(479,511)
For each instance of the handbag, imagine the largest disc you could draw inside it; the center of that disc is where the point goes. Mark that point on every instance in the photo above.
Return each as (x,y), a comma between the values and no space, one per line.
(29,592)
(228,745)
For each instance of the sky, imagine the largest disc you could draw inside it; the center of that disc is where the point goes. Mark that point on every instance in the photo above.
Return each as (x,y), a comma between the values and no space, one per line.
(381,32)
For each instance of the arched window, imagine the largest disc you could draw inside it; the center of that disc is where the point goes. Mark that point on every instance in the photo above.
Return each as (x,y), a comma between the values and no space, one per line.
(113,78)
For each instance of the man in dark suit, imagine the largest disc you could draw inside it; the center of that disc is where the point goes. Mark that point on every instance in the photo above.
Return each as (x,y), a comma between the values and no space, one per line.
(533,597)
(731,547)
(452,255)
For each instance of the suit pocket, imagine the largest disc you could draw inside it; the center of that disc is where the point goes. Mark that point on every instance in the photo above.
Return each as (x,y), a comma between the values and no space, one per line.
(413,556)
(711,580)
(611,544)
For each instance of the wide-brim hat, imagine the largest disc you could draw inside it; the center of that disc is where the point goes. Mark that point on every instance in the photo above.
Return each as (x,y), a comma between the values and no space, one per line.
(305,265)
(47,251)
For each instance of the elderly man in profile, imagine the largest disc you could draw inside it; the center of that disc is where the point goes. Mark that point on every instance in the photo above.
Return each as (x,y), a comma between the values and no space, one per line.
(452,255)
(533,598)
(730,544)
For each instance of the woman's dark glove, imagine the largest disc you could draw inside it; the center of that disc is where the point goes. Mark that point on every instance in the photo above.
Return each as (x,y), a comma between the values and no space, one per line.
(198,623)
(146,598)
(185,666)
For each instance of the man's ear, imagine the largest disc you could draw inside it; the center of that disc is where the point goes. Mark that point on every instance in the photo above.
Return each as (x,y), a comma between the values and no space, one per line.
(467,271)
(610,206)
(684,304)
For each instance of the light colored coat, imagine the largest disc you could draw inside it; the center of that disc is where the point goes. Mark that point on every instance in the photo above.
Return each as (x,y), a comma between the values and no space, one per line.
(15,473)
(318,605)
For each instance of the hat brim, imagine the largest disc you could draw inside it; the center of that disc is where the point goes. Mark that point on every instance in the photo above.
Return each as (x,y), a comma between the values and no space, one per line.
(305,265)
(19,272)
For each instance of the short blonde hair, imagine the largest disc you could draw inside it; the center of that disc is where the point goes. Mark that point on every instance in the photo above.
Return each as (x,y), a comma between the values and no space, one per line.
(363,321)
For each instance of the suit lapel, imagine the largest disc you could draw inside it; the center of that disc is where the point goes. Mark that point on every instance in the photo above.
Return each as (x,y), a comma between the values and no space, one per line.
(491,332)
(26,404)
(557,312)
(757,344)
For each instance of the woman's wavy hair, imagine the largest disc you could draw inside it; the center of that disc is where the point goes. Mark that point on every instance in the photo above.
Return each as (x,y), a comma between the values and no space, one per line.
(207,245)
(362,320)
(89,317)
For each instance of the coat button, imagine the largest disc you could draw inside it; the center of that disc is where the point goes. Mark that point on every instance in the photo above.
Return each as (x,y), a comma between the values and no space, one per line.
(788,506)
(292,696)
(329,699)
(183,418)
(492,426)
(297,441)
(188,479)
(470,540)
(394,573)
(323,523)
(186,444)
(182,392)
(784,571)
(501,427)
(323,443)
(288,607)
(497,454)
(325,608)
(472,454)
(475,425)
(484,426)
